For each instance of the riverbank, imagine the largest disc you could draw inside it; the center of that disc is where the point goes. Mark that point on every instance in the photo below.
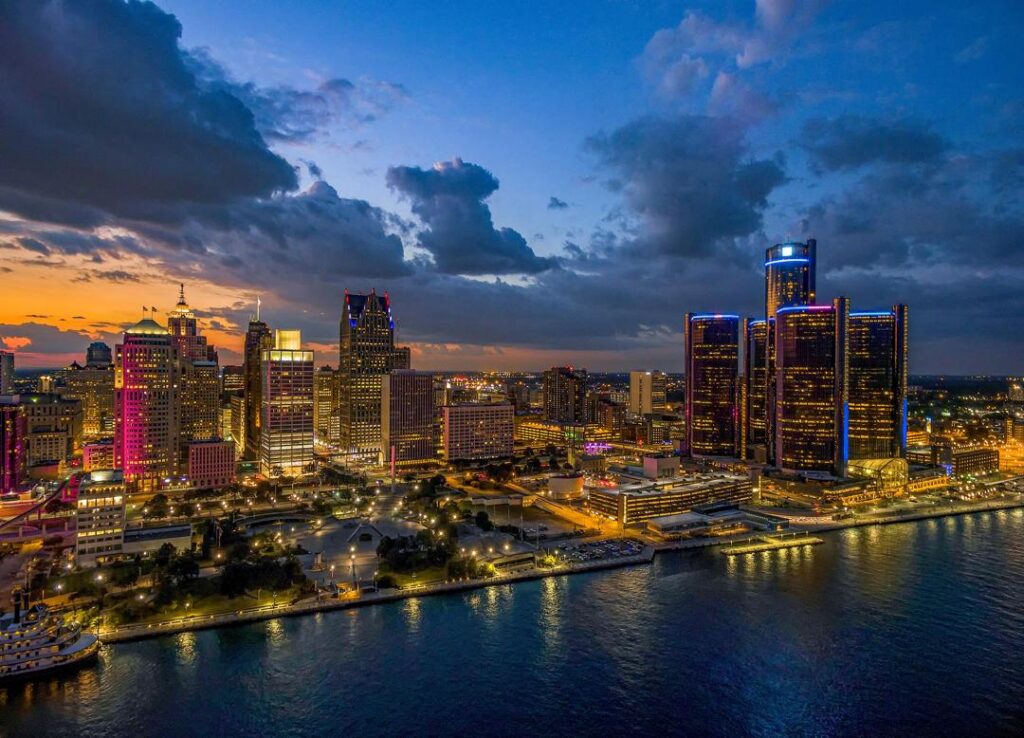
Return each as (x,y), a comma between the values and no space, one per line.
(313,605)
(308,607)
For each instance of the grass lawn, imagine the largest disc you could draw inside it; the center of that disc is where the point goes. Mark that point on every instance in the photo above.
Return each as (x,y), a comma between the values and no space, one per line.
(431,575)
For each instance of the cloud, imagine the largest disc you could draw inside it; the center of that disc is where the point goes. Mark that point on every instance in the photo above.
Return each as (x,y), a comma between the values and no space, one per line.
(690,181)
(850,141)
(460,234)
(555,204)
(102,115)
(33,341)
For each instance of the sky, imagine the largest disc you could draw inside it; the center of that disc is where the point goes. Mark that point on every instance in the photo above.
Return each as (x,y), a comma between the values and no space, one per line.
(532,183)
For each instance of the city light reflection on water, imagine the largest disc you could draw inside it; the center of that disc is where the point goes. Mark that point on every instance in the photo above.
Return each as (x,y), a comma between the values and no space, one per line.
(812,638)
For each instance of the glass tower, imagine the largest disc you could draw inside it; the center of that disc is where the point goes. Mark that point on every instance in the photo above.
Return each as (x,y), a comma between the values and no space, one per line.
(755,371)
(811,388)
(712,344)
(878,383)
(789,275)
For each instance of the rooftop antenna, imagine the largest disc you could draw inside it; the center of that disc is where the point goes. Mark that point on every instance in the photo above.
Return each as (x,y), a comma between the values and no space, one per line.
(181,293)
(257,308)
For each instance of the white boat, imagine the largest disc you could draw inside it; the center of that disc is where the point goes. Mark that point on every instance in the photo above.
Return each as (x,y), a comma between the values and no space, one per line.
(34,641)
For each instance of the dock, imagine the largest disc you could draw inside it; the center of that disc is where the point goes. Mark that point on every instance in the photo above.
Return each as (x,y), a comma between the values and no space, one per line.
(770,543)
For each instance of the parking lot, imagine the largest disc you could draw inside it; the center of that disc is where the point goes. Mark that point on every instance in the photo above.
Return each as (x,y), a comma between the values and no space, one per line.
(610,549)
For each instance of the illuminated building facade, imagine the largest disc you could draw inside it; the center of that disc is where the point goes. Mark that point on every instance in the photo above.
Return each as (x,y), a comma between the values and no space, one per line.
(286,413)
(211,464)
(565,395)
(811,388)
(647,393)
(635,503)
(367,354)
(232,379)
(53,428)
(98,355)
(877,355)
(478,431)
(99,512)
(98,455)
(712,345)
(93,386)
(407,417)
(257,340)
(185,335)
(238,415)
(12,447)
(789,271)
(756,376)
(326,418)
(147,424)
(200,400)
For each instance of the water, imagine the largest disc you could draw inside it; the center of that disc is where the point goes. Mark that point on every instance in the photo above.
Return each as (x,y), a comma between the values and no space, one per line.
(915,628)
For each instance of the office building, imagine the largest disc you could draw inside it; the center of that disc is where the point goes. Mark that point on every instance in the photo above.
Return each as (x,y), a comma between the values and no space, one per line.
(789,270)
(286,414)
(472,432)
(12,446)
(712,346)
(93,386)
(326,410)
(200,400)
(407,417)
(6,372)
(637,502)
(211,464)
(565,395)
(811,388)
(98,454)
(257,340)
(53,428)
(877,355)
(98,355)
(402,358)
(647,393)
(147,422)
(960,461)
(367,354)
(232,379)
(238,415)
(756,377)
(99,515)
(185,334)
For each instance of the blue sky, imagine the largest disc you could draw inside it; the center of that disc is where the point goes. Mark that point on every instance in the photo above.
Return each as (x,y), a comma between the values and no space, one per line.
(603,167)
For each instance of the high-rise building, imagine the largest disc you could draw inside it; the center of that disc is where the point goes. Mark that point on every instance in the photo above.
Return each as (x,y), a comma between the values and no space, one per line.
(238,416)
(565,395)
(647,393)
(712,345)
(286,413)
(98,355)
(93,386)
(402,358)
(6,372)
(53,428)
(756,376)
(185,334)
(147,424)
(472,432)
(367,353)
(232,379)
(257,340)
(812,388)
(326,419)
(878,383)
(211,464)
(99,512)
(12,446)
(407,417)
(200,401)
(789,272)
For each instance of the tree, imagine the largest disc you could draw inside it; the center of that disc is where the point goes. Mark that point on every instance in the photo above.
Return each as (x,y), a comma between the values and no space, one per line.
(183,567)
(483,521)
(163,556)
(157,507)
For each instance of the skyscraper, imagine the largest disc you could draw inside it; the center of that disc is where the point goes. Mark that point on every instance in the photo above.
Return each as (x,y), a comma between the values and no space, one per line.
(812,387)
(712,345)
(147,427)
(407,417)
(199,389)
(366,351)
(6,372)
(565,395)
(93,386)
(789,272)
(257,340)
(756,376)
(184,330)
(326,421)
(286,413)
(98,355)
(647,393)
(878,383)
(12,446)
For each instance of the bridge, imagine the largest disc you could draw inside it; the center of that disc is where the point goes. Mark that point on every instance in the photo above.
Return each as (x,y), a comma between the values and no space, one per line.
(30,523)
(283,516)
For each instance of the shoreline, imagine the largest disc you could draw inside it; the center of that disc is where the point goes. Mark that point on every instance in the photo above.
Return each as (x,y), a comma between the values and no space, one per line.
(124,634)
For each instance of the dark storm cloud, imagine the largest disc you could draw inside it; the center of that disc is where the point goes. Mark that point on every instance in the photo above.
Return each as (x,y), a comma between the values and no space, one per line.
(100,114)
(555,204)
(460,234)
(38,338)
(690,180)
(852,141)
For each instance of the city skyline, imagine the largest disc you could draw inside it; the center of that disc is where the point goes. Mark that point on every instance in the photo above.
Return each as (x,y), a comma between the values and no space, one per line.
(597,189)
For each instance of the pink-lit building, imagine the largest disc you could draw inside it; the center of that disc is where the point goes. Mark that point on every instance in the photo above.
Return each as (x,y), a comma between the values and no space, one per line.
(147,409)
(12,447)
(98,455)
(211,464)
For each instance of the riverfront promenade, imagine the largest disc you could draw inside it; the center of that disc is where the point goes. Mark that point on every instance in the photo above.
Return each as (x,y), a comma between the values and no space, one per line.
(314,605)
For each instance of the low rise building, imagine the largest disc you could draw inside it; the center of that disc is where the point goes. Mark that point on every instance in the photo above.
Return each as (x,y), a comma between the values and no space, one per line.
(98,454)
(472,432)
(975,461)
(147,541)
(211,464)
(641,501)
